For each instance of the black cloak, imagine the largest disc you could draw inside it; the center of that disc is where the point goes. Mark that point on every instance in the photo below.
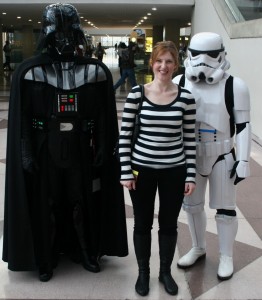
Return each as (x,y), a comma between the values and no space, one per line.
(109,217)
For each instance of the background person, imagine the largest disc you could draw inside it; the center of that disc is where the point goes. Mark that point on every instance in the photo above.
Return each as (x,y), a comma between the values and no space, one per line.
(100,52)
(127,66)
(7,50)
(89,50)
(120,48)
(163,158)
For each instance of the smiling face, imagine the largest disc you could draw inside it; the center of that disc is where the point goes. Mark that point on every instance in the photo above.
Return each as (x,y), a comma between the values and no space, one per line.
(164,66)
(164,60)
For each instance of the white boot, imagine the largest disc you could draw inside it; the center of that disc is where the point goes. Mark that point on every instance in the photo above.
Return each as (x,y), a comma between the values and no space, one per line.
(227,229)
(197,227)
(225,268)
(191,257)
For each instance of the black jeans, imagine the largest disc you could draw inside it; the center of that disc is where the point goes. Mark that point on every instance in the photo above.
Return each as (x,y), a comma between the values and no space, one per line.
(170,183)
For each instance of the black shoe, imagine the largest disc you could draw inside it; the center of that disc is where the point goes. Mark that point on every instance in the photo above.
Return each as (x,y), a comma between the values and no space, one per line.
(169,283)
(90,263)
(142,284)
(45,273)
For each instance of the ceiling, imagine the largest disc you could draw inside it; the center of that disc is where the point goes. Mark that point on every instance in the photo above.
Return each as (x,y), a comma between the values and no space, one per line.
(105,15)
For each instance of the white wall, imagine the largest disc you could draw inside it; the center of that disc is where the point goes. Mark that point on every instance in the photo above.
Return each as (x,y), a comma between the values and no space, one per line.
(244,55)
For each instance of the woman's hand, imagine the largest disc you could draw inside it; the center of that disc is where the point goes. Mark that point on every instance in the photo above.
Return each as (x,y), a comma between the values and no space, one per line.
(130,184)
(189,188)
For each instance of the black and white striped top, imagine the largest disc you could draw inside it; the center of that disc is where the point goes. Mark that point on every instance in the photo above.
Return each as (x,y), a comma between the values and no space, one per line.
(167,134)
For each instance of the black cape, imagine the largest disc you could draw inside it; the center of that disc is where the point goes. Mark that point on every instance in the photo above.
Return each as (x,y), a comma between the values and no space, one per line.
(18,250)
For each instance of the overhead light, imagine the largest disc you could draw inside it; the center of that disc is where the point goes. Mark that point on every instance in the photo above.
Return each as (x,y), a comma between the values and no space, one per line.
(3,13)
(145,17)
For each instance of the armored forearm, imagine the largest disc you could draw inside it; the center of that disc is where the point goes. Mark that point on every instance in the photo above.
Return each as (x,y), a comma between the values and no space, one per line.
(243,130)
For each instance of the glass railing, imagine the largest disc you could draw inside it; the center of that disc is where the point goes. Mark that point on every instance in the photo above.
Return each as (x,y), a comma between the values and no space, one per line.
(245,10)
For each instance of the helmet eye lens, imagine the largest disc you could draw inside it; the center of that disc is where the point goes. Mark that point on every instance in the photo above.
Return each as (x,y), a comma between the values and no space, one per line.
(212,53)
(195,53)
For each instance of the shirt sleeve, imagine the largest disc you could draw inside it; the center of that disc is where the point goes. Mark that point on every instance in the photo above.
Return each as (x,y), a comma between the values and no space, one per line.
(126,132)
(189,139)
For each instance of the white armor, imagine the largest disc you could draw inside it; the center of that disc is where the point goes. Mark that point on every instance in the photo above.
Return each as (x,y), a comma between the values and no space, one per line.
(206,58)
(206,78)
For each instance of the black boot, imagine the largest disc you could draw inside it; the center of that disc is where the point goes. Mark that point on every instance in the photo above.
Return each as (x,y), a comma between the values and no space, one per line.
(45,272)
(90,263)
(167,246)
(142,244)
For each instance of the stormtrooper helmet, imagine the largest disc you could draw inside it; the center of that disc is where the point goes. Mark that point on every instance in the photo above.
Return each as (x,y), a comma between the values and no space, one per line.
(62,29)
(206,58)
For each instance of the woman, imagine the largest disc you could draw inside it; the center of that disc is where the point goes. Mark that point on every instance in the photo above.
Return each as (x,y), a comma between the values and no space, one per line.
(163,158)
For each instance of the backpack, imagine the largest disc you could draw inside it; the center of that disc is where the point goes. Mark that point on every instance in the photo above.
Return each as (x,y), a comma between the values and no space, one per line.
(100,52)
(125,56)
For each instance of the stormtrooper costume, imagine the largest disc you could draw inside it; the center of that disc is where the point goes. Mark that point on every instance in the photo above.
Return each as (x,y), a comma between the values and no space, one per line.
(223,136)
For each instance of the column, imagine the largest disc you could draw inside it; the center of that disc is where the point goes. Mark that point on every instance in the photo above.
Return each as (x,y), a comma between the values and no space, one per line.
(1,47)
(28,41)
(157,34)
(172,31)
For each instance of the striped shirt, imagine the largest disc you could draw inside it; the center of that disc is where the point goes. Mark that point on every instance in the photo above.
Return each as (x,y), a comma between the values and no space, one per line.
(167,134)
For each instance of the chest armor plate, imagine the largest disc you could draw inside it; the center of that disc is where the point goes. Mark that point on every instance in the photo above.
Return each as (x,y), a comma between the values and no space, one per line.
(210,103)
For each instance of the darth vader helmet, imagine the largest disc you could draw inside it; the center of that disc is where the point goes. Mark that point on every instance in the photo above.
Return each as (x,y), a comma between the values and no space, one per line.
(62,29)
(206,58)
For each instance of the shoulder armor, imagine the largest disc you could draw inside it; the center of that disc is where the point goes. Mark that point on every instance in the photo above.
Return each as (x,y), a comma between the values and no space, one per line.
(177,79)
(241,95)
(66,75)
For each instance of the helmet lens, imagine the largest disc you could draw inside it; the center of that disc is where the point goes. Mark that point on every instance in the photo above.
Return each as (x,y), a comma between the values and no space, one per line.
(213,53)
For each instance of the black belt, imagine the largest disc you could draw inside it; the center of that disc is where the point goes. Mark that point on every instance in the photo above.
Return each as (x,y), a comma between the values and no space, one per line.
(43,124)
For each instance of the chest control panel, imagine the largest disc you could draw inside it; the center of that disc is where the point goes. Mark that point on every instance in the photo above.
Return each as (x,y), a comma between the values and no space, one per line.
(67,103)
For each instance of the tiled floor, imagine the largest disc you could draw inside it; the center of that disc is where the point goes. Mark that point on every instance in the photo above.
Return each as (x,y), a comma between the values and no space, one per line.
(118,275)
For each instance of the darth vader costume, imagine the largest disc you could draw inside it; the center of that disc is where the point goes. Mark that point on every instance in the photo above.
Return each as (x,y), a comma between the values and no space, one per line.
(62,193)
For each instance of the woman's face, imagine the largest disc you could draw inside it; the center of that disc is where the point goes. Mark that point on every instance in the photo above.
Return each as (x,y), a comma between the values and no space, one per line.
(164,66)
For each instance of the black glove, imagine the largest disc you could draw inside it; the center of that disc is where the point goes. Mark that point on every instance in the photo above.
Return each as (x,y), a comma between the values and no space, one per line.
(234,172)
(28,161)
